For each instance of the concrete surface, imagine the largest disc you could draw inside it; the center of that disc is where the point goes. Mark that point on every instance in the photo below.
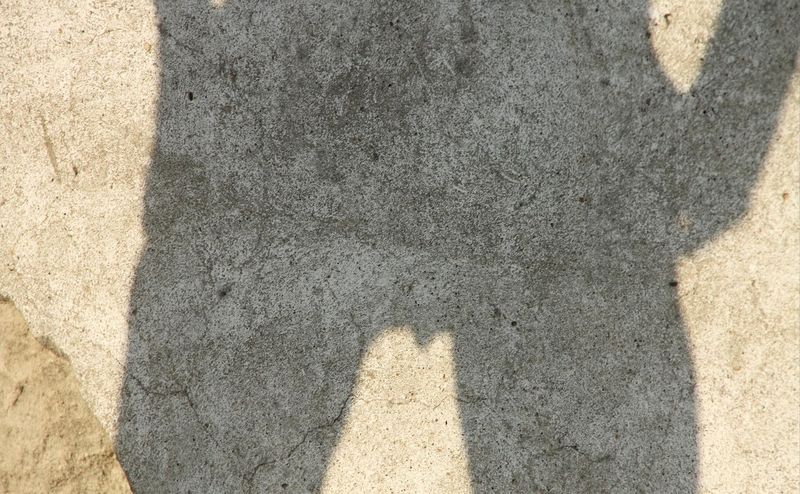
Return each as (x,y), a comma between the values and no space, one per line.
(51,440)
(402,431)
(220,210)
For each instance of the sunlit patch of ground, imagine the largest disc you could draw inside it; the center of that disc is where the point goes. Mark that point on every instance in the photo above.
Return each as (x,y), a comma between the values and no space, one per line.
(402,429)
(679,36)
(50,440)
(740,297)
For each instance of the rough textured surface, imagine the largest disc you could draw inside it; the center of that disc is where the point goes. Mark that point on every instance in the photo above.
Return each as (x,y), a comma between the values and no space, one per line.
(402,431)
(79,87)
(538,184)
(51,441)
(740,296)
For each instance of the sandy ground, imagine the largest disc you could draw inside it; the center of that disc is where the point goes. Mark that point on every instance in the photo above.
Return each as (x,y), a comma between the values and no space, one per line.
(51,440)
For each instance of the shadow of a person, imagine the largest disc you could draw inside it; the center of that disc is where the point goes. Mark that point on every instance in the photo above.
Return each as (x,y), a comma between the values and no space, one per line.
(521,174)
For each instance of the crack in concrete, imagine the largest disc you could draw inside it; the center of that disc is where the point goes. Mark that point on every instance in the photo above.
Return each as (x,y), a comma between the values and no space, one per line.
(48,144)
(574,447)
(248,478)
(183,392)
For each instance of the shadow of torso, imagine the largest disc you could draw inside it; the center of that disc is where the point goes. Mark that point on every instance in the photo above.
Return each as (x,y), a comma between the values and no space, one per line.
(522,176)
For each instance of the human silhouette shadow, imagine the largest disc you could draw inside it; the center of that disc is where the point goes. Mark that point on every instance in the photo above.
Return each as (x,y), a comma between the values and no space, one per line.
(521,174)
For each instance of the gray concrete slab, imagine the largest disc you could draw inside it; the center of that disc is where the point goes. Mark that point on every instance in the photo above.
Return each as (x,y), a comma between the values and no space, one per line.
(521,178)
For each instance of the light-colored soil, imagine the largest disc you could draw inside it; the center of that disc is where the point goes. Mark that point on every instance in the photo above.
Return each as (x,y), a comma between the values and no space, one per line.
(50,440)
